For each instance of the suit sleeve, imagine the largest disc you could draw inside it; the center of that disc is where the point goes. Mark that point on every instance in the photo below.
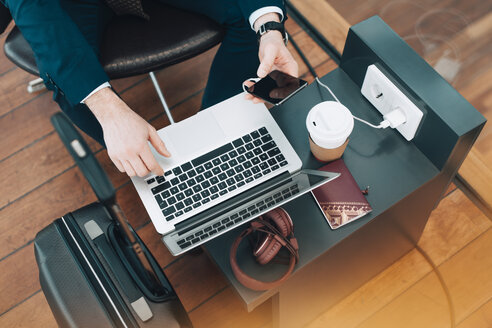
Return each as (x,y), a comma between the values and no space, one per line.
(249,6)
(63,55)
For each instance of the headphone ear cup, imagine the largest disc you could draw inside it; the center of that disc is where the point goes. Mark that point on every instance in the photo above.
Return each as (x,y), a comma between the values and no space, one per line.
(282,220)
(268,250)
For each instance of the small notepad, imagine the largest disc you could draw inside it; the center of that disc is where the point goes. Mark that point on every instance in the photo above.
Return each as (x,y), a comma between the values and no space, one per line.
(341,200)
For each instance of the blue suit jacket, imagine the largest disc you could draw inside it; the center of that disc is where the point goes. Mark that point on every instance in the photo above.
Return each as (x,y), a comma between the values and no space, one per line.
(65,59)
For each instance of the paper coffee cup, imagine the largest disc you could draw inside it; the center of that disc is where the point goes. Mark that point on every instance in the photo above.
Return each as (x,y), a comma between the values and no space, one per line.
(329,125)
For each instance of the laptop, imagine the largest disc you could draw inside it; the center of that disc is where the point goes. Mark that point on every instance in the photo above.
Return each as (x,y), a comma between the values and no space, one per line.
(230,163)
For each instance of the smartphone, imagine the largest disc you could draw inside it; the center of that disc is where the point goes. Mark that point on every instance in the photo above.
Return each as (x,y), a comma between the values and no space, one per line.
(276,87)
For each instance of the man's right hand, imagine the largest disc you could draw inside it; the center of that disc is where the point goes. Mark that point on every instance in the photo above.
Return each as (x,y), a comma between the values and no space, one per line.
(126,135)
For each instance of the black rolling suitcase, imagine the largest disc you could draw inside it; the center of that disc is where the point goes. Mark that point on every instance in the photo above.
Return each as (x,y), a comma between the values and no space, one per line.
(93,268)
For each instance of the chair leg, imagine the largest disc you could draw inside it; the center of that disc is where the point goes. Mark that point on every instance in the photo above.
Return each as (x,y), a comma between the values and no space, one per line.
(161,97)
(35,85)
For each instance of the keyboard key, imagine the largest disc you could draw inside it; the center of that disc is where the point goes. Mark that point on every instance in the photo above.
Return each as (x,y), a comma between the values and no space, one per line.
(170,217)
(229,224)
(224,167)
(153,180)
(255,161)
(202,237)
(213,154)
(224,158)
(255,134)
(239,168)
(237,220)
(241,150)
(168,211)
(257,142)
(263,166)
(283,163)
(199,233)
(208,165)
(197,198)
(223,192)
(212,232)
(274,152)
(242,212)
(241,159)
(249,146)
(183,177)
(222,176)
(280,158)
(232,154)
(162,203)
(214,180)
(186,210)
(179,206)
(220,228)
(214,189)
(180,196)
(200,169)
(231,188)
(222,185)
(250,208)
(205,193)
(188,201)
(266,171)
(225,220)
(266,138)
(216,170)
(263,157)
(171,200)
(253,212)
(168,172)
(275,167)
(166,194)
(238,142)
(174,190)
(272,161)
(179,242)
(214,196)
(247,165)
(160,179)
(195,240)
(208,174)
(247,138)
(186,167)
(216,225)
(269,145)
(177,171)
(249,155)
(263,131)
(182,186)
(199,178)
(259,175)
(161,187)
(191,182)
(207,229)
(197,188)
(232,162)
(174,181)
(216,161)
(230,181)
(205,184)
(183,246)
(197,205)
(190,237)
(239,177)
(230,173)
(178,213)
(240,184)
(255,169)
(191,173)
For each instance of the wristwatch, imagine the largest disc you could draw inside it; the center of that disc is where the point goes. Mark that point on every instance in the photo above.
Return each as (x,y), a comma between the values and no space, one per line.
(272,26)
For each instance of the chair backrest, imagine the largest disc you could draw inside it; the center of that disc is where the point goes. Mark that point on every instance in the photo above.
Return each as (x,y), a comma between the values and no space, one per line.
(5,18)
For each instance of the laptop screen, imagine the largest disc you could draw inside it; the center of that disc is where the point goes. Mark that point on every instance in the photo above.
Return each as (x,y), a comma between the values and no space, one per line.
(261,199)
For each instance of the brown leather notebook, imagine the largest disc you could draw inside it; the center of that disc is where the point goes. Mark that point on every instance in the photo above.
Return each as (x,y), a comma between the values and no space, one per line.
(341,200)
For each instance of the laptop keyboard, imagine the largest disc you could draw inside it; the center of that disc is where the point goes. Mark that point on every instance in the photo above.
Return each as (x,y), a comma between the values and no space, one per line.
(211,176)
(229,221)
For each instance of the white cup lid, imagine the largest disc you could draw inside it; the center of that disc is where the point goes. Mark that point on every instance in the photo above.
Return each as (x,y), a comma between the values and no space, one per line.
(329,124)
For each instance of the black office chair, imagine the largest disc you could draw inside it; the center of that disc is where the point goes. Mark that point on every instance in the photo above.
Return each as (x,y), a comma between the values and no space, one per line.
(133,46)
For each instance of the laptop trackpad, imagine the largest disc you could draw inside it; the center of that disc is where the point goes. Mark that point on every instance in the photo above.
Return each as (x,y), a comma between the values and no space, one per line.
(197,134)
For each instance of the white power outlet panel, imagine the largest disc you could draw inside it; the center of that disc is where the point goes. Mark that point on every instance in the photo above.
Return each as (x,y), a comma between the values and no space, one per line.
(386,96)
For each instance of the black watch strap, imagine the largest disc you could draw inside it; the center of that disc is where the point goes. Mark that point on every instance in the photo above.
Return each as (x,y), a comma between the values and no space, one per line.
(272,26)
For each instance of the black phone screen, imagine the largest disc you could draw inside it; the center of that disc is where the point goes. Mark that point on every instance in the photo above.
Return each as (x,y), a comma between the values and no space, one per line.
(276,87)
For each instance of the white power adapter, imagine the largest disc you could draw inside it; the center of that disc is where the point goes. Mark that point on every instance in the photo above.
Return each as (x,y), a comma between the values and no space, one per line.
(400,112)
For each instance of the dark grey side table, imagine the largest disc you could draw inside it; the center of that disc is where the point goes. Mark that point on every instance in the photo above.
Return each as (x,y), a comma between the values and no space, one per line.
(406,179)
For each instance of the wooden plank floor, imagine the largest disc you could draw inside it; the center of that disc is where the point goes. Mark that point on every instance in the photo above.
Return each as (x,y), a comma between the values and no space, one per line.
(39,182)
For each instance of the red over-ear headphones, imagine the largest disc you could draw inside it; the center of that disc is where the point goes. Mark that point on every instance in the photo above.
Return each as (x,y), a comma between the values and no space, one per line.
(276,230)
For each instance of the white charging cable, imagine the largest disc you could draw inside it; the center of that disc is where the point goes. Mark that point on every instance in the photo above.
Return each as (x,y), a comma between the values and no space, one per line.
(392,119)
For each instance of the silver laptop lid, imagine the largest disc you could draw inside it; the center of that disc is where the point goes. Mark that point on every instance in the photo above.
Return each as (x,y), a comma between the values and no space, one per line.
(244,208)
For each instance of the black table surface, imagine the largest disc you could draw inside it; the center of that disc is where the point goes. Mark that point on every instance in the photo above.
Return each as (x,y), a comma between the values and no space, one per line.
(382,159)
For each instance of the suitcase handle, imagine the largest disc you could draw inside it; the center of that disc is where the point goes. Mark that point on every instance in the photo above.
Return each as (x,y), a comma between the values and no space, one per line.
(84,158)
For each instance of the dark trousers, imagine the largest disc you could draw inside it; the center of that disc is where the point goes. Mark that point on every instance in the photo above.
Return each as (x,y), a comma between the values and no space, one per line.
(235,61)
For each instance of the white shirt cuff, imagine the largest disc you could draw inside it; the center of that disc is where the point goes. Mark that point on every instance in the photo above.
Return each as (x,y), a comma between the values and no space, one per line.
(102,86)
(262,11)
